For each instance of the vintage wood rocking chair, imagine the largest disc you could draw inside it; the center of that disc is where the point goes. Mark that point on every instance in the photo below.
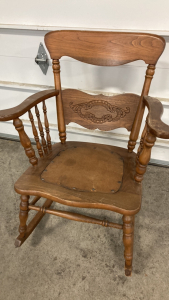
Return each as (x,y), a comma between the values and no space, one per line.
(82,174)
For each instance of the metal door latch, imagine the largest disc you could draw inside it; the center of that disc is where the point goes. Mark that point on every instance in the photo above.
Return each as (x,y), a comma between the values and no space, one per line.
(41,59)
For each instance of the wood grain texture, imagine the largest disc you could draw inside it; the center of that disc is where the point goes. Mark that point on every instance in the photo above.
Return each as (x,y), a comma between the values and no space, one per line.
(126,201)
(156,126)
(17,111)
(102,112)
(105,48)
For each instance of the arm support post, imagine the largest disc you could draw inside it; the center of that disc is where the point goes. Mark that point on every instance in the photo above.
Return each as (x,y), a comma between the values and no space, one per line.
(144,156)
(25,141)
(156,126)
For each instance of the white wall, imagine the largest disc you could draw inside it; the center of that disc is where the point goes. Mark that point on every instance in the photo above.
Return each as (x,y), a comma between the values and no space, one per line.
(105,14)
(23,28)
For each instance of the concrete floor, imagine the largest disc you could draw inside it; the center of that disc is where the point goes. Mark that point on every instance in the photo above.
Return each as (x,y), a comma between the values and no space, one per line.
(70,260)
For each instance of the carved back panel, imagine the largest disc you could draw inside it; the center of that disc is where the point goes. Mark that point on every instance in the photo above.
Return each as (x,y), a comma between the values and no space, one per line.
(102,112)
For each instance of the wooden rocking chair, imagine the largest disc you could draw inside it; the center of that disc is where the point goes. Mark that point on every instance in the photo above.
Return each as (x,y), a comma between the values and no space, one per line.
(82,174)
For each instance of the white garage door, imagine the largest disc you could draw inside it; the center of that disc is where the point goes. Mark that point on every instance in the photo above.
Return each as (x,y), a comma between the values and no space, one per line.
(23,27)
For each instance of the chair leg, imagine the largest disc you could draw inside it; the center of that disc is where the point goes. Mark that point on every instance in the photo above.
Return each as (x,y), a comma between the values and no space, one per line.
(24,230)
(23,214)
(128,239)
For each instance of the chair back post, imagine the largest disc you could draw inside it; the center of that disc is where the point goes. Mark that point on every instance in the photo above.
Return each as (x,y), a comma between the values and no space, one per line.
(59,104)
(141,107)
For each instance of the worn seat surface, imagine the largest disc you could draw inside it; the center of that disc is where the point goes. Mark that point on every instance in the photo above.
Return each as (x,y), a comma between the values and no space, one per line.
(85,175)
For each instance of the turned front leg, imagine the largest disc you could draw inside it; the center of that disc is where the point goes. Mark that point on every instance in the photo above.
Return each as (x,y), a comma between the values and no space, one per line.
(128,238)
(23,215)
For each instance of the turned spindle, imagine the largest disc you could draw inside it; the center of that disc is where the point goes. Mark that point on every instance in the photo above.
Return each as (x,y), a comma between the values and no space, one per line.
(41,130)
(25,141)
(35,133)
(48,138)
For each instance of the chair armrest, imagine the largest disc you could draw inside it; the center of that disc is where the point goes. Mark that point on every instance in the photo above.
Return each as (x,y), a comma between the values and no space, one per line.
(19,110)
(157,127)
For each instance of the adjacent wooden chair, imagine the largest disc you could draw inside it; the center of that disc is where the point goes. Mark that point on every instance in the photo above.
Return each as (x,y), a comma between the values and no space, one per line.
(83,174)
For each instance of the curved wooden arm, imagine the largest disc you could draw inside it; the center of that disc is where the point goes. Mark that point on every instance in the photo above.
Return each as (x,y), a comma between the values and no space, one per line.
(157,127)
(17,111)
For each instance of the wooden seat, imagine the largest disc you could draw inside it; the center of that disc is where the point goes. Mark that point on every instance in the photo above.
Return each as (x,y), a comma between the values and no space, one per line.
(109,184)
(81,174)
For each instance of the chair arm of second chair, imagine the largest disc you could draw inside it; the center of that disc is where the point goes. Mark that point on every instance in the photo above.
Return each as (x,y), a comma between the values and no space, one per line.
(156,126)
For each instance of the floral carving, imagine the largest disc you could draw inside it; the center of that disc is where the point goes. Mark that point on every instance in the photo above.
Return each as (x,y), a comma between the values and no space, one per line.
(119,112)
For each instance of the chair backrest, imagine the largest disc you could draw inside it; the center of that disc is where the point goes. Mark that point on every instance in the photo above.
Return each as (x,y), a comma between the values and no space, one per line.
(103,49)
